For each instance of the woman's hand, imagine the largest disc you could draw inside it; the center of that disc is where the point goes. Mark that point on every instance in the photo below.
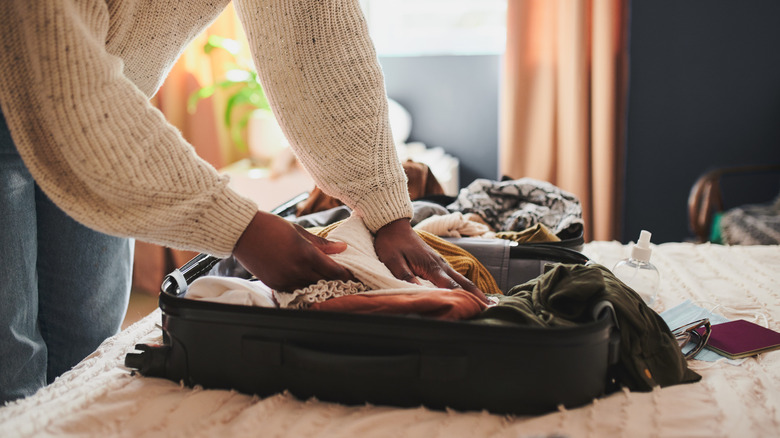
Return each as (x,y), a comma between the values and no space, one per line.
(286,257)
(407,256)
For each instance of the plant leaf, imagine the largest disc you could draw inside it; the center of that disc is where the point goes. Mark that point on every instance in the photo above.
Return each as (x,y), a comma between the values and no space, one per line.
(244,84)
(240,97)
(206,92)
(197,96)
(218,42)
(237,129)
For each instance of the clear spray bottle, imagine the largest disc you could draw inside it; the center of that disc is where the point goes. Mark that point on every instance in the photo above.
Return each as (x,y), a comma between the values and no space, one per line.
(637,272)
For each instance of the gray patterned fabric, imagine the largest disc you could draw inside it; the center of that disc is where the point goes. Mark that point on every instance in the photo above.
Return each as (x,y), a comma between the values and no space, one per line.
(518,204)
(757,224)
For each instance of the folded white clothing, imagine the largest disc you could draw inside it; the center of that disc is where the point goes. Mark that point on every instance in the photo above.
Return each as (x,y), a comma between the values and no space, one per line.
(231,290)
(361,259)
(452,225)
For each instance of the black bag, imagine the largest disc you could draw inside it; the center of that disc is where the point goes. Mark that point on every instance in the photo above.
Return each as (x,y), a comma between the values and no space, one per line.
(393,360)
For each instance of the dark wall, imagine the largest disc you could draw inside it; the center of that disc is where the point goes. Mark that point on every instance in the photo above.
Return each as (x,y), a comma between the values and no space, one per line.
(453,101)
(704,85)
(704,93)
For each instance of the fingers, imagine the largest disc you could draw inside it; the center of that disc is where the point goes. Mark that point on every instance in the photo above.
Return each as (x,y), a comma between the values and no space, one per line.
(442,275)
(439,277)
(437,271)
(330,270)
(284,257)
(321,243)
(310,266)
(466,284)
(401,270)
(326,267)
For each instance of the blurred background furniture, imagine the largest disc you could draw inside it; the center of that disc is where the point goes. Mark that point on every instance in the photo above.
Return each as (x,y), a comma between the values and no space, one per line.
(722,191)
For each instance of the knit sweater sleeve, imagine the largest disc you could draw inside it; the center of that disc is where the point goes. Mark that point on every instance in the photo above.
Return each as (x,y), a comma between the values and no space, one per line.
(323,80)
(92,141)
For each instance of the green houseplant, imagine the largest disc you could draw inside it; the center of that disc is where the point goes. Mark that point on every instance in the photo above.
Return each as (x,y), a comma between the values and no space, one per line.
(243,89)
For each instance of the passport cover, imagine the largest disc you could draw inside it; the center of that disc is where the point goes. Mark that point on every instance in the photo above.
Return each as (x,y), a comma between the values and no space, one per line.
(740,338)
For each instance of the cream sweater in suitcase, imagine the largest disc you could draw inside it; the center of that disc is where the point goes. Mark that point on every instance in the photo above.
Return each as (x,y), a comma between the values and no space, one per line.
(76,77)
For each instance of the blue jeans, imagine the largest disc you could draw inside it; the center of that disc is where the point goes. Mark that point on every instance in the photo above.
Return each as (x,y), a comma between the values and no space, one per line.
(64,288)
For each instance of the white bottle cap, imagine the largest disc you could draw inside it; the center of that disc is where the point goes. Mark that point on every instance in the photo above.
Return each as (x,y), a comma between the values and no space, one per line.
(641,250)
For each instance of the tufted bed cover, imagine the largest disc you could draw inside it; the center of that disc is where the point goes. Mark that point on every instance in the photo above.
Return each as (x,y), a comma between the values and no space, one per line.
(100,397)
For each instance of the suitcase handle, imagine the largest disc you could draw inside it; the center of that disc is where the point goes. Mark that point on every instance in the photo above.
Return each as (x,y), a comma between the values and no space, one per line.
(176,282)
(409,365)
(326,362)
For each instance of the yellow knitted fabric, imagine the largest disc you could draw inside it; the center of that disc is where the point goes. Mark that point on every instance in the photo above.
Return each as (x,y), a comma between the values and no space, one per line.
(324,231)
(461,260)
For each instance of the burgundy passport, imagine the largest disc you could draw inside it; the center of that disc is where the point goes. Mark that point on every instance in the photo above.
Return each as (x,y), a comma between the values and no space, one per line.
(740,338)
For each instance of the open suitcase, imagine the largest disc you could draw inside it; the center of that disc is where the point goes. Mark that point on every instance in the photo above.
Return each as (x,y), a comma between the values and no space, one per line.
(391,360)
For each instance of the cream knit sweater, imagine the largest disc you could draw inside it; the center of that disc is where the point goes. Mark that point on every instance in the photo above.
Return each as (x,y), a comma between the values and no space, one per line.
(76,77)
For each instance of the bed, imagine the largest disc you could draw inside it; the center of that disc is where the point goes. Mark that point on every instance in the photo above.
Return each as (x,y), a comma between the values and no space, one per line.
(100,397)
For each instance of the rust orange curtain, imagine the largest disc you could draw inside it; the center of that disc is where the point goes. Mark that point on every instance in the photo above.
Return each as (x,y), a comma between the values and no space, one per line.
(563,101)
(203,129)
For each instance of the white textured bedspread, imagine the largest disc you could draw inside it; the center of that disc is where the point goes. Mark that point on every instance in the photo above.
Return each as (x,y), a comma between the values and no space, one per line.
(101,398)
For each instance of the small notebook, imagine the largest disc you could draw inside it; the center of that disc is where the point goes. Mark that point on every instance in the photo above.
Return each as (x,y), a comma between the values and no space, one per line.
(740,338)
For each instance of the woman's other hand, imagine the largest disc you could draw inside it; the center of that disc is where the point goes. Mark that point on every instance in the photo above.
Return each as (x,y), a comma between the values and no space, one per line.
(407,256)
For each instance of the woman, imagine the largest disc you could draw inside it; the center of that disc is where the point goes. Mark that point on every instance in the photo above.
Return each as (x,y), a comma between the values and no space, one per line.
(86,163)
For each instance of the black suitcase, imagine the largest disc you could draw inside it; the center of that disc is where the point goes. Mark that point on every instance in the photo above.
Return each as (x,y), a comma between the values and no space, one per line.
(391,360)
